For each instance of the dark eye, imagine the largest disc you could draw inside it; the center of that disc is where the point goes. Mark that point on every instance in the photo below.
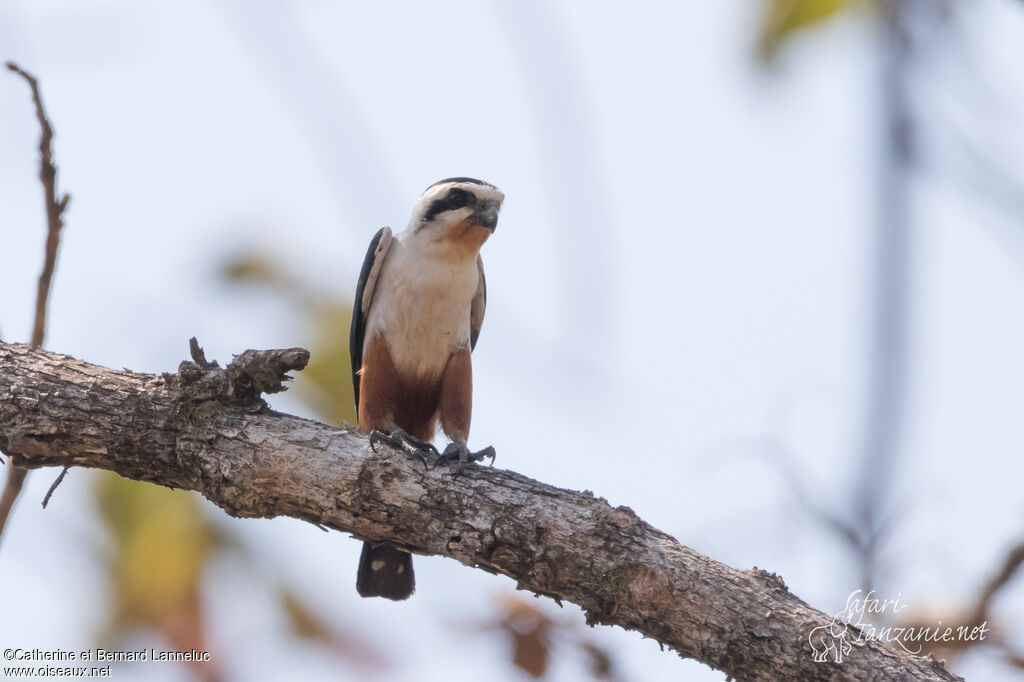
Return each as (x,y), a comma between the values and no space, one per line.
(458,198)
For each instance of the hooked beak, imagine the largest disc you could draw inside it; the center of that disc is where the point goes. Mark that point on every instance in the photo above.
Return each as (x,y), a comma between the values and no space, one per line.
(487,215)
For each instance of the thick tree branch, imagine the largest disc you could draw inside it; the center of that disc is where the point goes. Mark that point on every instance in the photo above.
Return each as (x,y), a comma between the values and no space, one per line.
(207,429)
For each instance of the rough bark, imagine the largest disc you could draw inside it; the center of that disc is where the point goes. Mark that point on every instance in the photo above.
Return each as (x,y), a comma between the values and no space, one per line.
(207,429)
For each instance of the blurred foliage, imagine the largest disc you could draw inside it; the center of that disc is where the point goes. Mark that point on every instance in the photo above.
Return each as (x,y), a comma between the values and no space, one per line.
(162,544)
(325,386)
(534,637)
(782,19)
(160,547)
(347,645)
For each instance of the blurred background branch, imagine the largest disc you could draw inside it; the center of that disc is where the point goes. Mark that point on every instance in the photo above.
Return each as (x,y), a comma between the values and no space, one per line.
(909,34)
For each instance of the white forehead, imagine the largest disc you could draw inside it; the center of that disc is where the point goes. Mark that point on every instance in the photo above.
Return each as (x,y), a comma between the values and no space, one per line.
(480,191)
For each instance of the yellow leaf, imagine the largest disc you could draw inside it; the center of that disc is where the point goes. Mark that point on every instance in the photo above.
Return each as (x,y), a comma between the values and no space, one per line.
(161,544)
(349,645)
(781,19)
(325,385)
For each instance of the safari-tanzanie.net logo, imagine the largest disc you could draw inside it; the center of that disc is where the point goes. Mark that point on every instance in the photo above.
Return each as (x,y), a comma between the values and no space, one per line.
(867,617)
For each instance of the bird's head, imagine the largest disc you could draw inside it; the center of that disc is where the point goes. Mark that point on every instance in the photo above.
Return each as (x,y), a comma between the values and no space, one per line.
(455,217)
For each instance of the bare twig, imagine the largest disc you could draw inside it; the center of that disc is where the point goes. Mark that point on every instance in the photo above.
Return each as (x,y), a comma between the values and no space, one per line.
(12,488)
(53,486)
(207,429)
(54,207)
(1013,561)
(977,613)
(54,222)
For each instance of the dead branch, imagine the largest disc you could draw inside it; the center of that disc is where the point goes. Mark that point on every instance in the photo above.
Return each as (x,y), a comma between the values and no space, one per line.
(207,429)
(1011,563)
(54,207)
(12,488)
(54,222)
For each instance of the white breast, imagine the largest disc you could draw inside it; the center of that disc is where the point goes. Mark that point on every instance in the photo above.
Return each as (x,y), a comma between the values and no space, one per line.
(421,306)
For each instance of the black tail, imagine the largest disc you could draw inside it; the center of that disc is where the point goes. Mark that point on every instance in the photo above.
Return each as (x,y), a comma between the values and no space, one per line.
(385,572)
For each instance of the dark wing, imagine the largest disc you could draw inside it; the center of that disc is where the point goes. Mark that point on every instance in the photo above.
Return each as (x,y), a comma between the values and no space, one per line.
(368,275)
(478,306)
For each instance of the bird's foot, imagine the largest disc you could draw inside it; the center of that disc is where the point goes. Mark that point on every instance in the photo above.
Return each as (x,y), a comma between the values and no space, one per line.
(399,439)
(458,452)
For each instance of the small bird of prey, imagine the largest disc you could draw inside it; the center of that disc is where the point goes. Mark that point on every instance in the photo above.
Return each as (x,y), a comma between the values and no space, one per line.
(417,314)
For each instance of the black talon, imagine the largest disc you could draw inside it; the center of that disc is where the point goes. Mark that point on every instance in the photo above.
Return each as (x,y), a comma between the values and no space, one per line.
(459,452)
(401,440)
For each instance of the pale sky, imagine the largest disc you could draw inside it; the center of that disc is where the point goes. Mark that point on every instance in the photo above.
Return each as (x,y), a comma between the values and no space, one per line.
(679,272)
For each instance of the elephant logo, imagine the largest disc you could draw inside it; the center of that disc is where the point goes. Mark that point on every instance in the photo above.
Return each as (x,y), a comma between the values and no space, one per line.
(831,638)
